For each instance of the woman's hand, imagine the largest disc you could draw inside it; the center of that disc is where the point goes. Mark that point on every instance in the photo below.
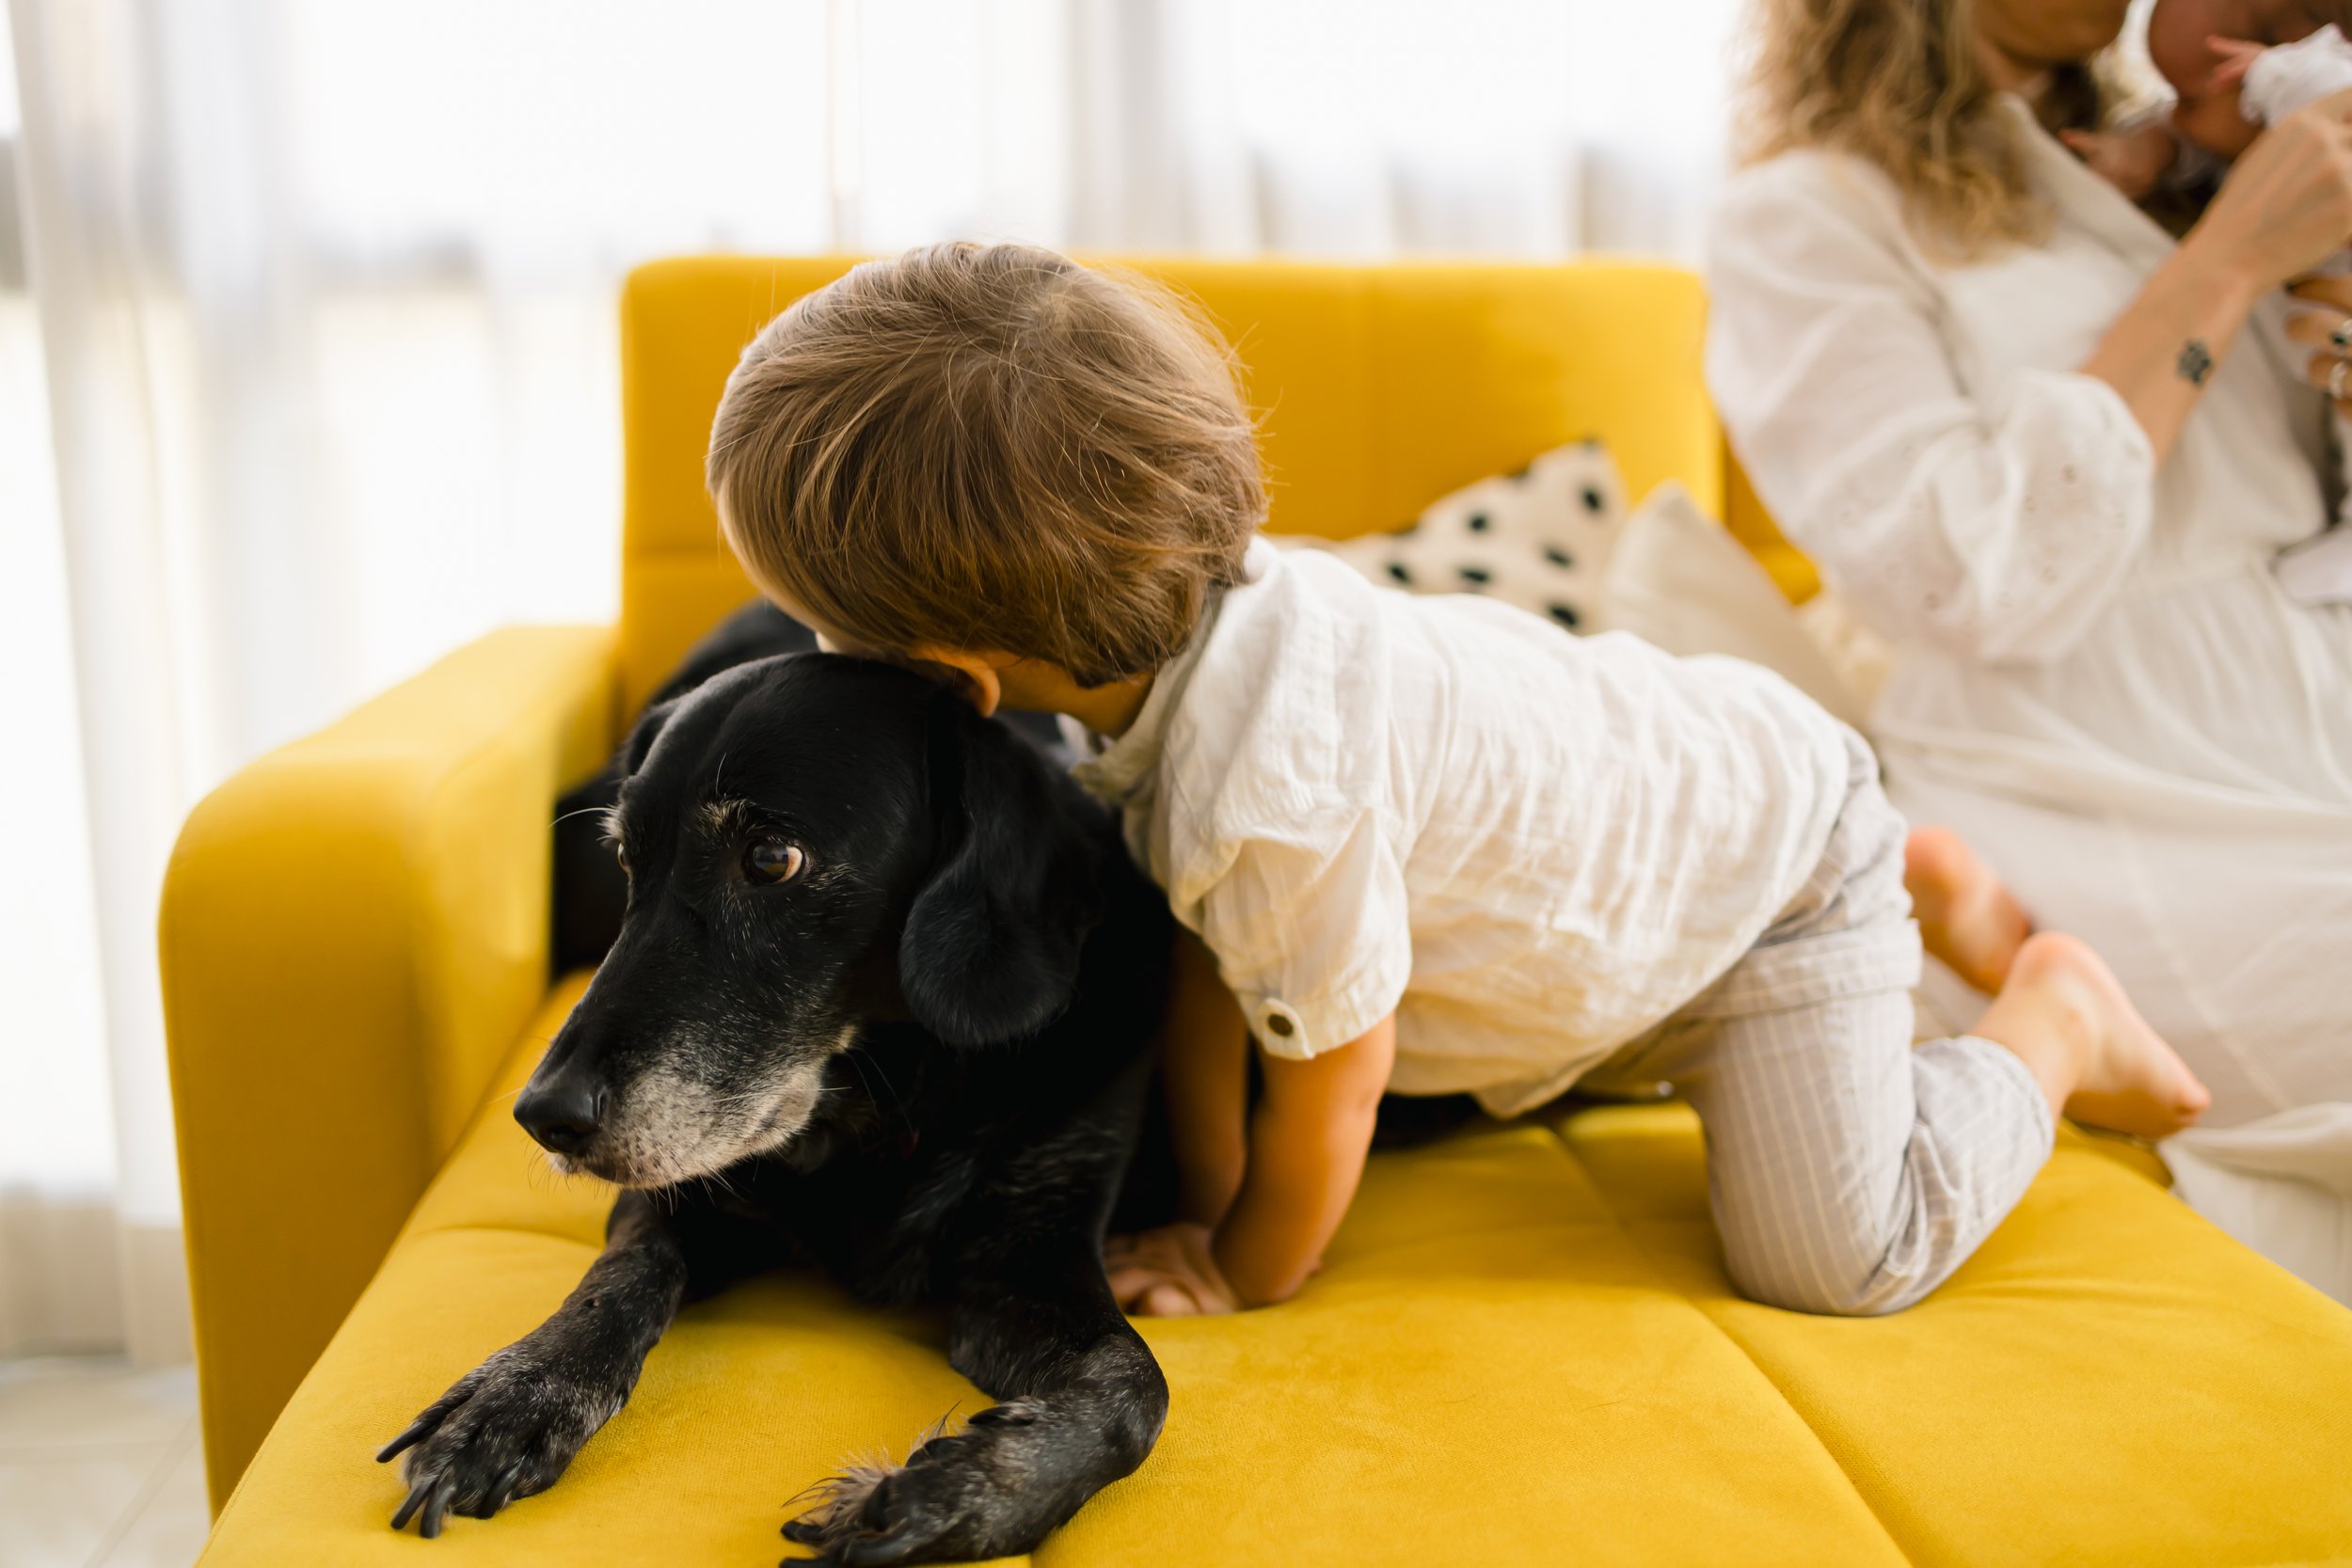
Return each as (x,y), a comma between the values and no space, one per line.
(2328,331)
(2286,207)
(1167,1273)
(2287,204)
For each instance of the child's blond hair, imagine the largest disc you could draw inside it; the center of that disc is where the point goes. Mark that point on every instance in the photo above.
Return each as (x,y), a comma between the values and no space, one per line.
(991,447)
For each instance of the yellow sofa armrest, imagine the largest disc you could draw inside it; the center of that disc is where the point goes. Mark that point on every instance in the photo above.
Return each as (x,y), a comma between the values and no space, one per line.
(353,931)
(1745,516)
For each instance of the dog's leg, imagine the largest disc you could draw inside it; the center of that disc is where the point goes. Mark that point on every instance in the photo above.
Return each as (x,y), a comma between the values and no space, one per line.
(508,1428)
(1082,1403)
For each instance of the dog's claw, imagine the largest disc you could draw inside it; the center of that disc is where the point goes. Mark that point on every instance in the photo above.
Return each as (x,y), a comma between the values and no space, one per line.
(417,1432)
(869,1551)
(802,1533)
(503,1490)
(410,1505)
(443,1489)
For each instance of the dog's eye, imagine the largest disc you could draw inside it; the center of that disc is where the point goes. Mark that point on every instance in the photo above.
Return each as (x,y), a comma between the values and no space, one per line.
(772,860)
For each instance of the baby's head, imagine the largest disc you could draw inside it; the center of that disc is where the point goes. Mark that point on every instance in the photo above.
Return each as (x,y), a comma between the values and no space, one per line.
(989,448)
(2180,32)
(2205,113)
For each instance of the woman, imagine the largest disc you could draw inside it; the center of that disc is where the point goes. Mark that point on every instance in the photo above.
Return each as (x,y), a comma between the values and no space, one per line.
(2053,454)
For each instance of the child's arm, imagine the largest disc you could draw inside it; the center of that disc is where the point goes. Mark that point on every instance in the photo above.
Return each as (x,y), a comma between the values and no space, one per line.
(1308,1142)
(1205,1070)
(2134,159)
(1306,1153)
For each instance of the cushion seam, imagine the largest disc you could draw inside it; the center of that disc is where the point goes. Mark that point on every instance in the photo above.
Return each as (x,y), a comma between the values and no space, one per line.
(1633,1236)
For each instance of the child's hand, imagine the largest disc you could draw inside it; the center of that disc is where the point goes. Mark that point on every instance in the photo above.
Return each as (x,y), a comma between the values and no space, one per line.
(1167,1273)
(2134,161)
(2233,58)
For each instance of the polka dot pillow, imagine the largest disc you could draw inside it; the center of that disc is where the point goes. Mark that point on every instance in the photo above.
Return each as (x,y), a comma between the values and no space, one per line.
(1539,538)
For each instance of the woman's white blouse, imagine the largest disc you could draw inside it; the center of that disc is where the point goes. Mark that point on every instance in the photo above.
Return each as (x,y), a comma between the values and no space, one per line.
(2098,679)
(1917,425)
(1921,423)
(1532,847)
(1984,504)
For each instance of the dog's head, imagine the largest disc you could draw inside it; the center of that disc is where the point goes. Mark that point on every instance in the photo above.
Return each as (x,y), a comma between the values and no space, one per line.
(812,843)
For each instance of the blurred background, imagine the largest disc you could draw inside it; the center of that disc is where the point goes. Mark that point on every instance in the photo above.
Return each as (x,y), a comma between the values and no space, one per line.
(309,366)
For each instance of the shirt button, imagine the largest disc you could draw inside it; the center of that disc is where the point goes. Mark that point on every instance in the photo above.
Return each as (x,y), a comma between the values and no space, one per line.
(1277,1024)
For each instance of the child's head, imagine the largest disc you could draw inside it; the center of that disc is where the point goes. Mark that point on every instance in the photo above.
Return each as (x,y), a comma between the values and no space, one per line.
(989,447)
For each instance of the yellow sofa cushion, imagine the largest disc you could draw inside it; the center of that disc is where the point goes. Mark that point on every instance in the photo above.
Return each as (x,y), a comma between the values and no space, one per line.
(1521,1351)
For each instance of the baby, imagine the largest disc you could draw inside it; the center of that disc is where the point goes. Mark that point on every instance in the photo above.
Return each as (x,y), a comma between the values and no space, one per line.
(1425,846)
(2228,89)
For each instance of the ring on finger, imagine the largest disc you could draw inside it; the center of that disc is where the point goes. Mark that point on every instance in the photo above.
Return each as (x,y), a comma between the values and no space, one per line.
(2341,336)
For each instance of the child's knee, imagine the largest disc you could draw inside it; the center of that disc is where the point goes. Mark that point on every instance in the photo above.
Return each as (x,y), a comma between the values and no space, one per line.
(1850,1288)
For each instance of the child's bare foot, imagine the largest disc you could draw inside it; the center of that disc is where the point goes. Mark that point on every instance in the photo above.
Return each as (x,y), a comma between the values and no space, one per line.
(2064,1013)
(1966,918)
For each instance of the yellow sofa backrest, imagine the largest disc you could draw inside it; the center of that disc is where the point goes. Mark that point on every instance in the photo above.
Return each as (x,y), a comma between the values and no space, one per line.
(1379,390)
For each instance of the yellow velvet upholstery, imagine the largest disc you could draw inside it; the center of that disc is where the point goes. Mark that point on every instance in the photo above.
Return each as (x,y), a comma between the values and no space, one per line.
(1522,1349)
(353,931)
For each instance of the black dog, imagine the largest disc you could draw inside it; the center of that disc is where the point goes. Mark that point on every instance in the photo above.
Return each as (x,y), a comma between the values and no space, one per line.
(890,975)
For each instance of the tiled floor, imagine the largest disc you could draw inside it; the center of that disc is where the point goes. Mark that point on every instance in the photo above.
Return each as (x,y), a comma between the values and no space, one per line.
(99,1466)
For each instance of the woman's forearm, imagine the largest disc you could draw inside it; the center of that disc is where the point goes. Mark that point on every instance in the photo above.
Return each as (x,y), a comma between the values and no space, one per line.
(2162,350)
(2286,204)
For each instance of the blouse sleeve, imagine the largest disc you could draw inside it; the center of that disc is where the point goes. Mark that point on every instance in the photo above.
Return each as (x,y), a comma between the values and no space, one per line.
(1994,523)
(1310,933)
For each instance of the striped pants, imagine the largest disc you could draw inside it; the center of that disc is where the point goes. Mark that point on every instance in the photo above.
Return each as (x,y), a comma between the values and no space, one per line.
(1850,1171)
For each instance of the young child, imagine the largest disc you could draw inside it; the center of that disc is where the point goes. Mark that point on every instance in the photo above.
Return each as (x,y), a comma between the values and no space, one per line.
(2228,89)
(1422,845)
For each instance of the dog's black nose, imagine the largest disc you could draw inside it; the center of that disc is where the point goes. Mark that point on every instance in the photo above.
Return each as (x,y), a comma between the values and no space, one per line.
(561,1114)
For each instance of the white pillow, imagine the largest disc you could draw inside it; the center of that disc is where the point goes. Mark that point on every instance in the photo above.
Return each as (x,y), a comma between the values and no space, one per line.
(1555,538)
(1679,580)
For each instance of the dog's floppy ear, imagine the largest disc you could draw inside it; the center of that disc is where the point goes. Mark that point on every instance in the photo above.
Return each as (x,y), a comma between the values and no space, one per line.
(591,888)
(992,943)
(648,730)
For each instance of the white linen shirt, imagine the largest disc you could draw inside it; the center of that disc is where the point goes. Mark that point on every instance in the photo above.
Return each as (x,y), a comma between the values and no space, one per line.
(1532,847)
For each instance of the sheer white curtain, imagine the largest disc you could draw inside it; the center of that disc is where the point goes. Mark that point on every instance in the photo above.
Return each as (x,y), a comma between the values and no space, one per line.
(307,363)
(1374,128)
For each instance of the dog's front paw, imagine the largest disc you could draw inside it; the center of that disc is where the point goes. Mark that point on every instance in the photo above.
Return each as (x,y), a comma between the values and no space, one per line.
(979,1494)
(504,1431)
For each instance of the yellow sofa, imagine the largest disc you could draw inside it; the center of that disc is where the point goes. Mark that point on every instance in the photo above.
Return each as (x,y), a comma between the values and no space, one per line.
(1522,1349)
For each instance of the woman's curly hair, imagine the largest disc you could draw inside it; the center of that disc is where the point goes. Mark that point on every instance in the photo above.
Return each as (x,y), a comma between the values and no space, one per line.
(1899,84)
